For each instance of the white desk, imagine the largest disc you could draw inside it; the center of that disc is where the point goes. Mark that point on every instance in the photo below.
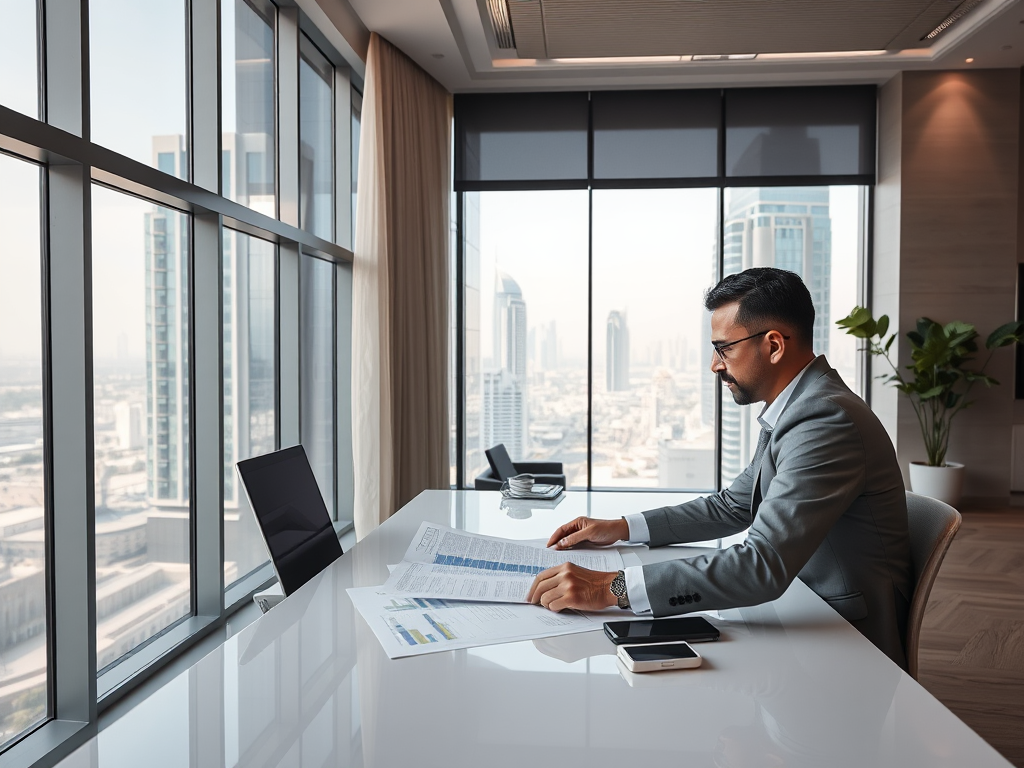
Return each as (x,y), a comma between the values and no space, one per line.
(789,684)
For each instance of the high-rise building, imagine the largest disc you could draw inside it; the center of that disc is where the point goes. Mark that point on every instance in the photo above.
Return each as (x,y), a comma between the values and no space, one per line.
(473,414)
(504,411)
(549,347)
(789,228)
(617,353)
(167,344)
(509,325)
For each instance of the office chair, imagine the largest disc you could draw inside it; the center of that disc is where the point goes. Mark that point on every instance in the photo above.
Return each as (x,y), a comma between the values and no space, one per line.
(502,468)
(933,524)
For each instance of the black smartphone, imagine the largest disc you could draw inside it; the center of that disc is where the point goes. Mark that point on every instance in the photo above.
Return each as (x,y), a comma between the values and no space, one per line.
(693,629)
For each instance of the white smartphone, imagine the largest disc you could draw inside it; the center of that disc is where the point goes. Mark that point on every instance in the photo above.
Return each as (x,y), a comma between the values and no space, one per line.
(654,657)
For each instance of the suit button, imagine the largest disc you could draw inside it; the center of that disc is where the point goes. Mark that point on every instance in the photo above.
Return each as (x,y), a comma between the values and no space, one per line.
(689,598)
(681,600)
(696,597)
(671,601)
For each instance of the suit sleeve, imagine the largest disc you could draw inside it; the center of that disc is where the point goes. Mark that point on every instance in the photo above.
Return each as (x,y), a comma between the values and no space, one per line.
(711,517)
(819,461)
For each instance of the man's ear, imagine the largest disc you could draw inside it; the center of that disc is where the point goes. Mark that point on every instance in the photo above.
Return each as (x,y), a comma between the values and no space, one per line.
(778,347)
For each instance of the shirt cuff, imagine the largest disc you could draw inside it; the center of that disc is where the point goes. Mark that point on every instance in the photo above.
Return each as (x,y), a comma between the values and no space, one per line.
(636,590)
(639,533)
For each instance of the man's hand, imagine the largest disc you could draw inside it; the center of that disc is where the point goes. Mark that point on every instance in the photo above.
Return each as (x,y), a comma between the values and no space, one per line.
(570,586)
(586,529)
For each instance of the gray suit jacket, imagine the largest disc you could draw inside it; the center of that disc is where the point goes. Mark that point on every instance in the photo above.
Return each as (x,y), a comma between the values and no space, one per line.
(827,504)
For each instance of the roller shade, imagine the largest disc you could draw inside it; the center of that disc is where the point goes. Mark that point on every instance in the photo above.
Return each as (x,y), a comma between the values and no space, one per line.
(521,137)
(800,131)
(656,134)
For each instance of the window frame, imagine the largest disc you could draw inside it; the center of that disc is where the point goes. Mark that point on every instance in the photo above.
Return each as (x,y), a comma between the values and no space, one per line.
(58,141)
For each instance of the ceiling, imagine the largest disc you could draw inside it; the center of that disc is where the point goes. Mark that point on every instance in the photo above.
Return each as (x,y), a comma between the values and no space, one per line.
(596,44)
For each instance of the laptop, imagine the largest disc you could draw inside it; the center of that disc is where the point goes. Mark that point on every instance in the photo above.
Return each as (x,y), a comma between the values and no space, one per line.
(291,514)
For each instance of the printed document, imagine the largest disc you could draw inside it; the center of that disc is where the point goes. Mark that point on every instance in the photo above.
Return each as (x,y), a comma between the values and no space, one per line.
(412,626)
(444,563)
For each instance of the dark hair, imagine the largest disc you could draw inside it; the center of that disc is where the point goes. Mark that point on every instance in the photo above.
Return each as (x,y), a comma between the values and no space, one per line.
(766,295)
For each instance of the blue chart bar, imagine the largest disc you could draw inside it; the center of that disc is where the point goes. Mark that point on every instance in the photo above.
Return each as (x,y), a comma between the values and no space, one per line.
(404,633)
(487,565)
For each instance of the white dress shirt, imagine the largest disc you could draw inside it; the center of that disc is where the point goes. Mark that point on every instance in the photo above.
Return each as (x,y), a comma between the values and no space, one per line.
(636,588)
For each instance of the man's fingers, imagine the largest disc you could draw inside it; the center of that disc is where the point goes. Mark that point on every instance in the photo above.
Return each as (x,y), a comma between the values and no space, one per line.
(567,529)
(541,585)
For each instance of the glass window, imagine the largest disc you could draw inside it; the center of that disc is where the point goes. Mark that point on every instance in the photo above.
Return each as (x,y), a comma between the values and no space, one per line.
(526,327)
(653,392)
(24,671)
(357,116)
(317,379)
(316,135)
(140,111)
(250,388)
(141,390)
(818,237)
(248,145)
(19,57)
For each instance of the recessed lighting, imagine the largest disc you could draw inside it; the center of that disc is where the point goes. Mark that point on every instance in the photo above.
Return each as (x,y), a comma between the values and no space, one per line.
(437,55)
(723,57)
(616,60)
(969,61)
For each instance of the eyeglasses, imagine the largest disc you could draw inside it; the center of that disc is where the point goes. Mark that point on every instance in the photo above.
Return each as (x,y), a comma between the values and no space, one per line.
(722,350)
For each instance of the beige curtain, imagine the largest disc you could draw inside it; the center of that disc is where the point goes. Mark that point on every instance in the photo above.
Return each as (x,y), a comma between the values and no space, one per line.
(400,287)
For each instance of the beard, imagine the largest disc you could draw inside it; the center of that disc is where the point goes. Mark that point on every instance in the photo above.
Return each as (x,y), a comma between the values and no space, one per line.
(741,395)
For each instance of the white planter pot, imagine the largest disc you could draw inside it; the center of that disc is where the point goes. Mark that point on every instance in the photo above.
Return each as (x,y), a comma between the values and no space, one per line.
(942,483)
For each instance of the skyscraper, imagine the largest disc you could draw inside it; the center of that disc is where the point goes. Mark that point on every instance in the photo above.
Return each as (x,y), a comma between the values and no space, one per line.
(617,353)
(789,228)
(504,412)
(509,325)
(167,343)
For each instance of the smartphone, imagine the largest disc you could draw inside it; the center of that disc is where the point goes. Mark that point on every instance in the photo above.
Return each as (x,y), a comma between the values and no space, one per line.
(658,656)
(695,629)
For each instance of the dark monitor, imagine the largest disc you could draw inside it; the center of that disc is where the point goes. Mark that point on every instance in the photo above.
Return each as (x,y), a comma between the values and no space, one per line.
(291,514)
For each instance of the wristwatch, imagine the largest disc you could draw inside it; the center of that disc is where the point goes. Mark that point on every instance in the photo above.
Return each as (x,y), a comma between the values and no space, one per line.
(618,588)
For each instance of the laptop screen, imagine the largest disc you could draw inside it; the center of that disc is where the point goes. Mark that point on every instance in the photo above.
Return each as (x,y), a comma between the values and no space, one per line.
(291,514)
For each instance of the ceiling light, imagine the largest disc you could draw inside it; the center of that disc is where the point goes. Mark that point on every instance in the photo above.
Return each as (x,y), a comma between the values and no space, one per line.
(616,60)
(961,10)
(969,61)
(723,57)
(819,55)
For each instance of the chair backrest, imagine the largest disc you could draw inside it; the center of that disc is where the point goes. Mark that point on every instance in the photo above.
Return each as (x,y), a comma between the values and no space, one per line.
(932,525)
(501,464)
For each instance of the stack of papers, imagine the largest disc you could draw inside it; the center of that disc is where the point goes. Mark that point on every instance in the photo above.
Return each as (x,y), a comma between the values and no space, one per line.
(458,590)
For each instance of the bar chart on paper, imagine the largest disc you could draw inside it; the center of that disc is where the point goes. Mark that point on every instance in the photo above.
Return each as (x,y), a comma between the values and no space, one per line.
(416,625)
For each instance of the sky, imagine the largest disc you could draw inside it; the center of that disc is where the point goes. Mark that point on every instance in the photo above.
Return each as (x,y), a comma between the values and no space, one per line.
(653,259)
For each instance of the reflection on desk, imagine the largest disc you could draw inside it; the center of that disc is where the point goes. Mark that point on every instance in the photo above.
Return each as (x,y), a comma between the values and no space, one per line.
(789,684)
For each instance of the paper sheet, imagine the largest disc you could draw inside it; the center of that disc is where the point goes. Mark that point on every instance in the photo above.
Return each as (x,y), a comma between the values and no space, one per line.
(442,562)
(415,626)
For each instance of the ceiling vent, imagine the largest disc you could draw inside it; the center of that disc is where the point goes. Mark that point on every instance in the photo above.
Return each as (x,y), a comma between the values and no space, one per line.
(961,10)
(498,12)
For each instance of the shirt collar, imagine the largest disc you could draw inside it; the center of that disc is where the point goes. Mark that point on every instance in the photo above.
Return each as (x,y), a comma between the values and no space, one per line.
(770,413)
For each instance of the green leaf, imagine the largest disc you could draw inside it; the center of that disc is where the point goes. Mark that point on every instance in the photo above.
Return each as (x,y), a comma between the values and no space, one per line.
(882,327)
(933,392)
(889,342)
(1006,334)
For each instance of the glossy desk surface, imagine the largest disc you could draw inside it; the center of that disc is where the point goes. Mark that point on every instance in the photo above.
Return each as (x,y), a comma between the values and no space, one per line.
(789,684)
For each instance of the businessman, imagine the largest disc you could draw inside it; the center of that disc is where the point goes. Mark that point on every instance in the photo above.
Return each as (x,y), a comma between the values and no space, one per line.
(823,498)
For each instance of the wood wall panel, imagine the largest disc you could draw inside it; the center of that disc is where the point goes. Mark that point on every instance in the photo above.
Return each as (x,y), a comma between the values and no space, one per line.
(958,178)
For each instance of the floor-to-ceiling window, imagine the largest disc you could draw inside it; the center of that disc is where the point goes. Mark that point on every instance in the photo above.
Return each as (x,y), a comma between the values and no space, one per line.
(24,558)
(150,328)
(590,226)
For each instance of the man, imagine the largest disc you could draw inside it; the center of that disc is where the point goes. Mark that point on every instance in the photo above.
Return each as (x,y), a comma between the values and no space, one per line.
(823,497)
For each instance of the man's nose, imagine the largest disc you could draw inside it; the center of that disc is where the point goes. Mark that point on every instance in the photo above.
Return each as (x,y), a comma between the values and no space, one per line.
(716,362)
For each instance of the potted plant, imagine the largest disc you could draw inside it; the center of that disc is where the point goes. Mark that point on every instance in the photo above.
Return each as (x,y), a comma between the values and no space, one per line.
(937,382)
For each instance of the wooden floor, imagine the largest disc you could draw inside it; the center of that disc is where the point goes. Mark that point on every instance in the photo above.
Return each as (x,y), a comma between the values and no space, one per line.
(972,642)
